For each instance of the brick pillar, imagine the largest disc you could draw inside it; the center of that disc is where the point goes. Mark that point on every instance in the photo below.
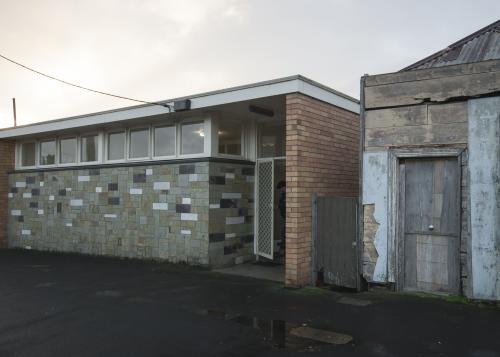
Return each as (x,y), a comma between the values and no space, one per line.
(7,149)
(322,156)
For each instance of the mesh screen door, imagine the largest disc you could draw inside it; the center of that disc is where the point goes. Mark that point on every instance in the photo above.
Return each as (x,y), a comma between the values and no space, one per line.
(265,209)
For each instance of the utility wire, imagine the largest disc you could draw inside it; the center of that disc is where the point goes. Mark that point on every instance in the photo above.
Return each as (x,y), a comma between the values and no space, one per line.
(82,87)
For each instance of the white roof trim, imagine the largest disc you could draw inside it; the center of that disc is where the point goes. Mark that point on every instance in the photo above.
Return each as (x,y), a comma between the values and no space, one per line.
(280,86)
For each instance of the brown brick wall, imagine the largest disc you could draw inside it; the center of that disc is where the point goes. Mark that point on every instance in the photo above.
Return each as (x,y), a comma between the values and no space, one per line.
(7,150)
(322,156)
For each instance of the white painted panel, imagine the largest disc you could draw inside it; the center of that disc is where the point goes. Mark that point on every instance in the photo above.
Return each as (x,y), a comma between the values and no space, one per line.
(15,212)
(40,211)
(42,183)
(214,205)
(21,184)
(235,220)
(189,216)
(27,195)
(233,195)
(484,172)
(186,231)
(161,186)
(136,191)
(186,201)
(110,215)
(76,202)
(26,232)
(68,189)
(98,189)
(83,178)
(160,206)
(51,198)
(149,172)
(10,195)
(375,191)
(69,224)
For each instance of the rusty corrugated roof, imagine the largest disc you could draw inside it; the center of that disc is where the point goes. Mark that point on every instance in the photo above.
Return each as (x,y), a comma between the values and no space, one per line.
(482,45)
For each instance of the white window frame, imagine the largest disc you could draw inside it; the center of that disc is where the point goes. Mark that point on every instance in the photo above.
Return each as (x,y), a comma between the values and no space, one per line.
(56,158)
(106,145)
(129,142)
(19,151)
(153,141)
(58,149)
(103,144)
(99,147)
(207,131)
(216,126)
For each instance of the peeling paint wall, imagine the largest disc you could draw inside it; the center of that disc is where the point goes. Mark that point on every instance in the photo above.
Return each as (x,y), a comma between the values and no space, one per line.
(484,171)
(374,198)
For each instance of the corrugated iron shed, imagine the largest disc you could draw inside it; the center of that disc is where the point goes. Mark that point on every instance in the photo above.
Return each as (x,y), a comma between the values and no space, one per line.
(482,45)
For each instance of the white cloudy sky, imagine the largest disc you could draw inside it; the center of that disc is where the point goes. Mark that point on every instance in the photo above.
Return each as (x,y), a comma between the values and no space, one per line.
(159,49)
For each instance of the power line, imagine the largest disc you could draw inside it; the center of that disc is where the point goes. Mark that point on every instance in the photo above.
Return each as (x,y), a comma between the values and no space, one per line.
(82,87)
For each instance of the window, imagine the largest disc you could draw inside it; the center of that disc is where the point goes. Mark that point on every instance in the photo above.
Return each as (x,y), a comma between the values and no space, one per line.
(164,141)
(229,137)
(271,140)
(192,138)
(139,143)
(28,154)
(116,146)
(48,152)
(89,148)
(67,151)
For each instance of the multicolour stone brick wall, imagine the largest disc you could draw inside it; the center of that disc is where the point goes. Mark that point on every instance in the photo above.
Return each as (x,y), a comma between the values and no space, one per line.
(231,219)
(150,212)
(7,149)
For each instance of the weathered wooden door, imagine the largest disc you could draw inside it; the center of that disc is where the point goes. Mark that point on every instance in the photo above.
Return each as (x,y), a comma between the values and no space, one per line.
(429,224)
(335,220)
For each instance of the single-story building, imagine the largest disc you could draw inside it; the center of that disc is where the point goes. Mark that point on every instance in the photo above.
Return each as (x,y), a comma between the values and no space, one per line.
(190,180)
(430,215)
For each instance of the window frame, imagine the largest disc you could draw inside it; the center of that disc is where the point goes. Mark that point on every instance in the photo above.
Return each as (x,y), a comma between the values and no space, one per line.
(56,156)
(106,145)
(99,155)
(206,137)
(20,154)
(242,144)
(58,148)
(128,143)
(153,141)
(102,136)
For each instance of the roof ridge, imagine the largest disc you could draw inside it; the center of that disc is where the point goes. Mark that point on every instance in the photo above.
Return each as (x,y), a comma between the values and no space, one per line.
(495,26)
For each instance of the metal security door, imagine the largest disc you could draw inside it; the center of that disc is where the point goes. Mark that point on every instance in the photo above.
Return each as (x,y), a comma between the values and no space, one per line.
(430,201)
(265,208)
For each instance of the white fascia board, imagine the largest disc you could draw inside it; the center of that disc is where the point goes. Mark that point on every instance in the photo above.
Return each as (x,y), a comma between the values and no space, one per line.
(294,84)
(328,97)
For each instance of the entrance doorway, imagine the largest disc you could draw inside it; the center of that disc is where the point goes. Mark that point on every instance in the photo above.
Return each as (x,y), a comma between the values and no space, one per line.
(429,238)
(269,212)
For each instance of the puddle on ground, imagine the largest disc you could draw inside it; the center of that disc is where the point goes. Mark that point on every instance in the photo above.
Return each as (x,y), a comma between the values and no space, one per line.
(283,334)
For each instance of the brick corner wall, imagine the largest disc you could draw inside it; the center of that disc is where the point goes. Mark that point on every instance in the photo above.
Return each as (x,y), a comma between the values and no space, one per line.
(7,149)
(322,156)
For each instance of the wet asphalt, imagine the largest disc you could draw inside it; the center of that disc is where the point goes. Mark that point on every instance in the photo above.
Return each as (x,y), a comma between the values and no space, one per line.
(73,305)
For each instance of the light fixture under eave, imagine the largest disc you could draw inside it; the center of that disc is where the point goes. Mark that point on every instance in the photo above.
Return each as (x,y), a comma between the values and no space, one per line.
(201,133)
(262,111)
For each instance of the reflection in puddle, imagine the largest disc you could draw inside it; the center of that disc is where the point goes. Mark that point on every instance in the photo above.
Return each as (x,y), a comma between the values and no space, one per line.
(281,334)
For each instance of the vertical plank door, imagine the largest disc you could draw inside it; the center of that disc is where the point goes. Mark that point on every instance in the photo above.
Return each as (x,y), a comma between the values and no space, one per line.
(430,204)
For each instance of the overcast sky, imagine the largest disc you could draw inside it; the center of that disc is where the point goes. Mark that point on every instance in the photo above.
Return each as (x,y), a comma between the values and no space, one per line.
(159,49)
